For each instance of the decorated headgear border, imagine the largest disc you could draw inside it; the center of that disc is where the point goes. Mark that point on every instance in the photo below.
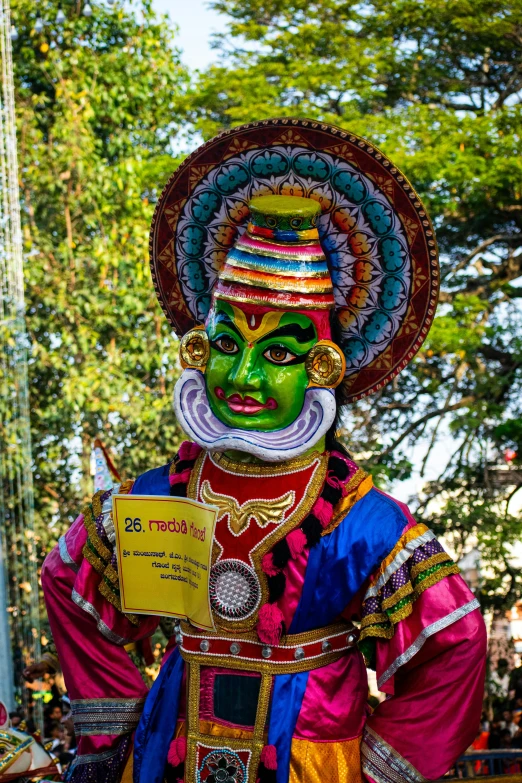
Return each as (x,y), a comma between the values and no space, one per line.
(375,232)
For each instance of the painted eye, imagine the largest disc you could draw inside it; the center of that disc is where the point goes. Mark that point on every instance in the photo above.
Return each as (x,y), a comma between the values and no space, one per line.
(225,345)
(279,355)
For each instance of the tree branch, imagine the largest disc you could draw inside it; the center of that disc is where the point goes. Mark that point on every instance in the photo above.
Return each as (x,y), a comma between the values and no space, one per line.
(479,248)
(463,403)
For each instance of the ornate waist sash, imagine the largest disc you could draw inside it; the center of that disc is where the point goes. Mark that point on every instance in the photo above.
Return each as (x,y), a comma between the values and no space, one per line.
(295,653)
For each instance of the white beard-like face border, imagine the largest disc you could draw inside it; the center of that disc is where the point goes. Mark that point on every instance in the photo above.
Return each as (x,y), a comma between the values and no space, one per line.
(196,418)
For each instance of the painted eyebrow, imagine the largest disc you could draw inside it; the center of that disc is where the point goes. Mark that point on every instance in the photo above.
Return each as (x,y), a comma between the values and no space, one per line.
(300,333)
(223,318)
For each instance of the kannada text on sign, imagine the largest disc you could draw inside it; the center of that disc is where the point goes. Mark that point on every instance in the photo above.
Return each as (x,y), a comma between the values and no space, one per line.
(164,547)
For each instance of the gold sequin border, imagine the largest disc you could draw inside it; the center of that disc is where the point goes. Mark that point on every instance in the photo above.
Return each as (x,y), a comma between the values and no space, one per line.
(252,469)
(253,745)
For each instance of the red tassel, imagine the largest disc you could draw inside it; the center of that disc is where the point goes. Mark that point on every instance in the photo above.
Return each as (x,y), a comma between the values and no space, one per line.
(323,511)
(296,541)
(177,751)
(267,564)
(270,624)
(179,478)
(188,450)
(269,756)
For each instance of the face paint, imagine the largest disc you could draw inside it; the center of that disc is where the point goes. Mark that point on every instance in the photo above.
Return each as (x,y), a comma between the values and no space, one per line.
(256,377)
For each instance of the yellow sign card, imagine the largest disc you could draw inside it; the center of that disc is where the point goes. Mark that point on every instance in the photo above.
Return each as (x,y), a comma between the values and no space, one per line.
(164,548)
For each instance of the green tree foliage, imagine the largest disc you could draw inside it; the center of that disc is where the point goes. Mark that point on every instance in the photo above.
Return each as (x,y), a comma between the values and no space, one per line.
(436,84)
(99,101)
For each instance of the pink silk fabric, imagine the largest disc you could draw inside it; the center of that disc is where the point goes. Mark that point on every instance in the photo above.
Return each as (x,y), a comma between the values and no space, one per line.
(438,696)
(93,667)
(435,692)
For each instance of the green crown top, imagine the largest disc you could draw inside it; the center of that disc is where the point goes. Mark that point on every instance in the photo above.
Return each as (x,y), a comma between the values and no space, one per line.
(284,213)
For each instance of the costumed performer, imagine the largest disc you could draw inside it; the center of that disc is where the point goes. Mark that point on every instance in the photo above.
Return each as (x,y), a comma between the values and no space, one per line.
(299,267)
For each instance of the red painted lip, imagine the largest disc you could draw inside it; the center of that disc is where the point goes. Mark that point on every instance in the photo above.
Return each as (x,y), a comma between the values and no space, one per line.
(246,405)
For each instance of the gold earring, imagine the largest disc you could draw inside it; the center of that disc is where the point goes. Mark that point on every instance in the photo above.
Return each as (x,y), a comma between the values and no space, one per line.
(194,349)
(325,365)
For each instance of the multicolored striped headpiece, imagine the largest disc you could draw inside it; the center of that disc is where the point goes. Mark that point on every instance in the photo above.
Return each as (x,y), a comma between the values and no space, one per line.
(377,238)
(278,261)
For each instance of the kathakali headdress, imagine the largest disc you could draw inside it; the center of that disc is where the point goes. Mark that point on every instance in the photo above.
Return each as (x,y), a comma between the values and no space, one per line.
(355,241)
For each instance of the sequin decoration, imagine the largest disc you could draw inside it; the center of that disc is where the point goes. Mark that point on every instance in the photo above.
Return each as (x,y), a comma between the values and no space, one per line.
(234,590)
(221,766)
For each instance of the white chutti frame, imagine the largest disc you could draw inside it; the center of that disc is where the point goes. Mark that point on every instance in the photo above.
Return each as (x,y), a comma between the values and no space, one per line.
(196,418)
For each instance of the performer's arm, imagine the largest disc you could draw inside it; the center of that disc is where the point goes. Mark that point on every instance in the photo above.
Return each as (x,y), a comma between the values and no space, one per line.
(105,687)
(432,670)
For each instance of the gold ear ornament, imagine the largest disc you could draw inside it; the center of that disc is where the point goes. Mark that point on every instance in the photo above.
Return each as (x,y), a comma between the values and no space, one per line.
(325,365)
(194,349)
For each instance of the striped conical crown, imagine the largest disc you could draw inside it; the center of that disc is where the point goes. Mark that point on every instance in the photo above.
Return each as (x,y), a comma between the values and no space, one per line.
(278,261)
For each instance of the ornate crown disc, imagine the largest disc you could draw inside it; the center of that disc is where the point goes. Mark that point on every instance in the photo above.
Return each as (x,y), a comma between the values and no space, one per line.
(376,235)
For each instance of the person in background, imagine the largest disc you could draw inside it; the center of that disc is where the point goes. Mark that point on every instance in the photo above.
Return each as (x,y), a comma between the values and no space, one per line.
(55,741)
(53,714)
(494,732)
(16,718)
(498,685)
(515,687)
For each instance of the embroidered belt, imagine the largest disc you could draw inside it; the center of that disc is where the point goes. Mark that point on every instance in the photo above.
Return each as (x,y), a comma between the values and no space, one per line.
(295,653)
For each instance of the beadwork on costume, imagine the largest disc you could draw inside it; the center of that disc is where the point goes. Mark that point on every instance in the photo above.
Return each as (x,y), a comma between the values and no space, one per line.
(221,766)
(234,589)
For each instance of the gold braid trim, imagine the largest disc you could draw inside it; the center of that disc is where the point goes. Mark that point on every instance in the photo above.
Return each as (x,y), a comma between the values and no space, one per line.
(437,576)
(99,556)
(373,619)
(402,613)
(89,517)
(401,593)
(372,624)
(378,631)
(440,557)
(112,575)
(98,564)
(96,502)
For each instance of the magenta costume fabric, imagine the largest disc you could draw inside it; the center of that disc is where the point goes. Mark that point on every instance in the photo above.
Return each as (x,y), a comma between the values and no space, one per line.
(106,690)
(419,623)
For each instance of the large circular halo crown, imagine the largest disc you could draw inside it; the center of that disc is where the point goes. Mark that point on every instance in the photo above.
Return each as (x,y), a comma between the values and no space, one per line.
(376,235)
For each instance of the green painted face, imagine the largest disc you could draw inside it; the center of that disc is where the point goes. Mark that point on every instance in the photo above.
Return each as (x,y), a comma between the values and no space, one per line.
(255,376)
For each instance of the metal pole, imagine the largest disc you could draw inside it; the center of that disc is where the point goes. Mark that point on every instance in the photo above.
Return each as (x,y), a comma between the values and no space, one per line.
(20,625)
(6,668)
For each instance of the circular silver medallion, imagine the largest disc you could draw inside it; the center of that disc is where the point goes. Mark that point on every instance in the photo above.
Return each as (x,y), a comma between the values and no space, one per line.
(234,589)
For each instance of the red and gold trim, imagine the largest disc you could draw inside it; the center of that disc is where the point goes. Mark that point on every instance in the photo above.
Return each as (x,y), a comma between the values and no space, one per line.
(234,292)
(296,652)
